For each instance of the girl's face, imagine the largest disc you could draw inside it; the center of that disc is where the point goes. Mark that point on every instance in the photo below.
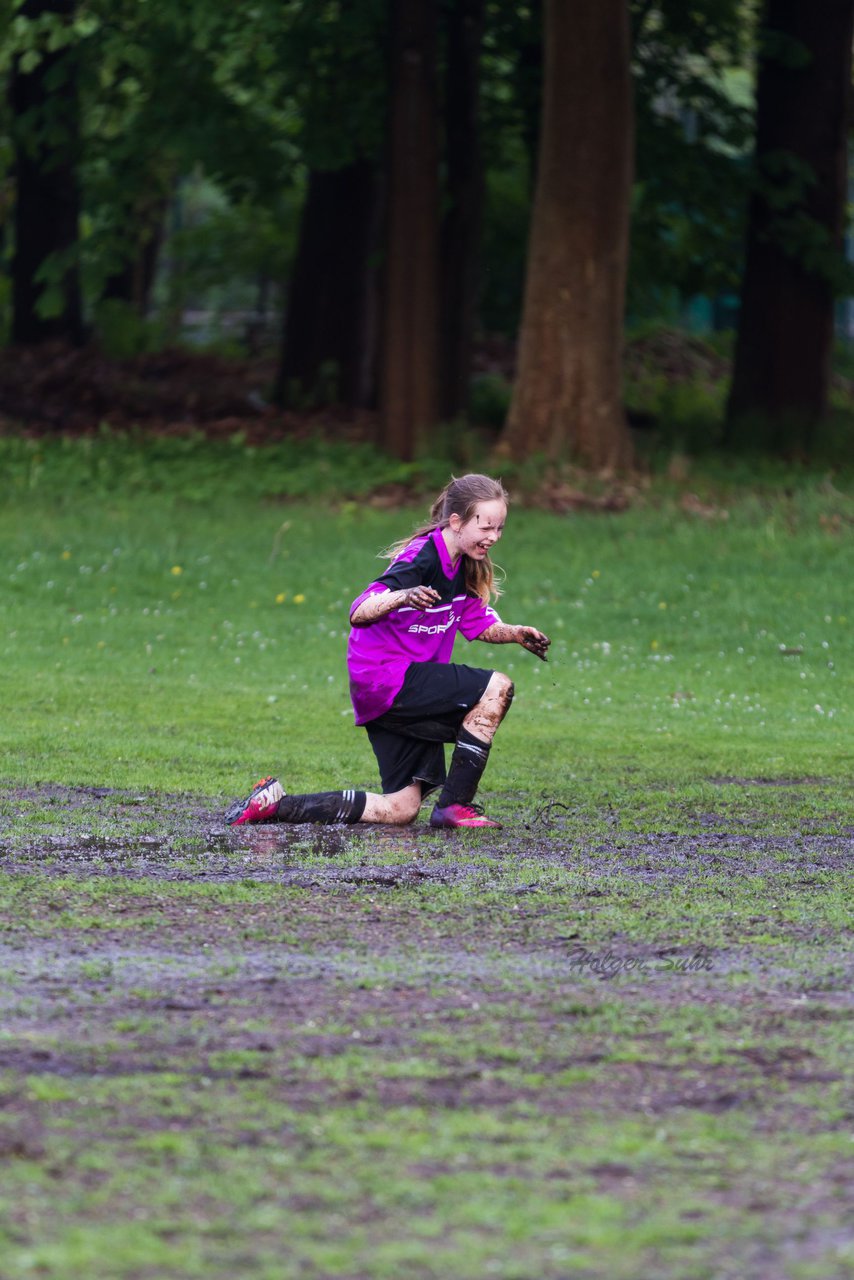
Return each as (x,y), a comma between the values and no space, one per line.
(475,536)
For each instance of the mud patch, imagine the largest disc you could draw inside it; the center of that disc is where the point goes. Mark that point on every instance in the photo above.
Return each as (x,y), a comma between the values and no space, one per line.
(108,832)
(343,1027)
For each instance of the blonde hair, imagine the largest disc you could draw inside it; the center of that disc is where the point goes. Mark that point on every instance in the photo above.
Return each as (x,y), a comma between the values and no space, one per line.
(460,497)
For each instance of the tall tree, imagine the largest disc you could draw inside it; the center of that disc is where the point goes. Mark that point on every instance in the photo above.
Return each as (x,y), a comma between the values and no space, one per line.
(46,133)
(409,371)
(334,56)
(330,320)
(461,222)
(796,220)
(567,396)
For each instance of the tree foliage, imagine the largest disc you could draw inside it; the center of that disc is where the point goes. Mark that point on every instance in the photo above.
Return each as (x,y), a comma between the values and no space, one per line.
(253,101)
(694,121)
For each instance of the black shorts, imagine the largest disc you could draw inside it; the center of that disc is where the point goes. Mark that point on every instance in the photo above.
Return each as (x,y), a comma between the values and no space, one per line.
(409,739)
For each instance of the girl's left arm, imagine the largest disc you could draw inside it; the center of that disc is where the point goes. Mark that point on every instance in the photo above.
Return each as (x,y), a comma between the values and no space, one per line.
(528,637)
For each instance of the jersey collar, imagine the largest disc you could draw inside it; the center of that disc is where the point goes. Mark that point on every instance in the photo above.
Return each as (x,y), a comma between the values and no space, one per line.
(450,569)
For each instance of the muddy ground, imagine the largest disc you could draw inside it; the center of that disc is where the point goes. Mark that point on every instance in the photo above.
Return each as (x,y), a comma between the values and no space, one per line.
(142,940)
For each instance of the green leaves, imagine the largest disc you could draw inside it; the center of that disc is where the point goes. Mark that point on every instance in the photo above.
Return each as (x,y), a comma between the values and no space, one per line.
(693,130)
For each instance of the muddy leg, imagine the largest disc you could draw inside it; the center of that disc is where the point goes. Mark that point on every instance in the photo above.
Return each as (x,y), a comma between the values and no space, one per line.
(473,742)
(485,717)
(398,808)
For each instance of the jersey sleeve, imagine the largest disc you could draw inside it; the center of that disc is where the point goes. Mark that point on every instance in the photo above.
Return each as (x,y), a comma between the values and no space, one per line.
(476,616)
(402,575)
(375,589)
(411,569)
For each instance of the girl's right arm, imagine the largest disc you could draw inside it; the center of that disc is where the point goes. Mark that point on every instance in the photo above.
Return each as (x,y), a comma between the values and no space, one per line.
(377,606)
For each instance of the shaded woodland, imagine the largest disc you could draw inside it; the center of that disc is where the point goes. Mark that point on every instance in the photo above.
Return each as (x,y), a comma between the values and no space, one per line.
(381,189)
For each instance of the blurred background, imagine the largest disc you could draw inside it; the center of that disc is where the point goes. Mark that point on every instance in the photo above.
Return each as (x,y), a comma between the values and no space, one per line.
(570,231)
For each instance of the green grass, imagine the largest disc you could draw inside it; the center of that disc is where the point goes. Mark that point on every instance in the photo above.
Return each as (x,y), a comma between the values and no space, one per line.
(386,1112)
(418,1124)
(155,639)
(281,1054)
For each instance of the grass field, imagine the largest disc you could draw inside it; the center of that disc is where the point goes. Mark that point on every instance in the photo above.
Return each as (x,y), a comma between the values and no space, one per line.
(610,1040)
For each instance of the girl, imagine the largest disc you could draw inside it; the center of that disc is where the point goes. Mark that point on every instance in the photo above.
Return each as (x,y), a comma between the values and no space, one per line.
(405,690)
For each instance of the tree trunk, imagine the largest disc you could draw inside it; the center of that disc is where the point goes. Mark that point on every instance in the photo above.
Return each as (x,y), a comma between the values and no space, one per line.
(45,131)
(567,397)
(330,333)
(460,240)
(409,378)
(781,373)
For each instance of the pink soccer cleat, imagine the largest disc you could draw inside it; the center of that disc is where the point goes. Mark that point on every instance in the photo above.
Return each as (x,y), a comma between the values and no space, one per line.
(460,815)
(259,806)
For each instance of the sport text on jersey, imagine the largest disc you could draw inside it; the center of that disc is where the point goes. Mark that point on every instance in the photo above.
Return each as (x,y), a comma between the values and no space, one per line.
(419,628)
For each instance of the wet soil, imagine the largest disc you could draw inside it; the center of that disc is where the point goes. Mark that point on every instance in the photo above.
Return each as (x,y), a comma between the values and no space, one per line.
(348,956)
(106,834)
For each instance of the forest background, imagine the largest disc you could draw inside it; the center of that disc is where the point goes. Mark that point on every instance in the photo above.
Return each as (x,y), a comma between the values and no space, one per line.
(432,216)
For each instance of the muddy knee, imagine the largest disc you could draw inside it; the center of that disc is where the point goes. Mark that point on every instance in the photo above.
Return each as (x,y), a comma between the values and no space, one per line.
(503,688)
(486,716)
(403,809)
(397,808)
(499,693)
(403,817)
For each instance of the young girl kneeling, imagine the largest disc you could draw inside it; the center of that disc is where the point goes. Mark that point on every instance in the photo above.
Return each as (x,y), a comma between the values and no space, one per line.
(406,692)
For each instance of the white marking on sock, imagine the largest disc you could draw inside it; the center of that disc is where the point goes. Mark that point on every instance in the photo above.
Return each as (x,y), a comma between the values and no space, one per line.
(346,801)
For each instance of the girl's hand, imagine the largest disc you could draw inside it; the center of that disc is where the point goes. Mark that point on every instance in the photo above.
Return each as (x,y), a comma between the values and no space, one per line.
(381,604)
(421,597)
(534,641)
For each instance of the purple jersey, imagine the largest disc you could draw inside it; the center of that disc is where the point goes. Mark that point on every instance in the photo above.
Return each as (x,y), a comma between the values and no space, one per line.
(379,654)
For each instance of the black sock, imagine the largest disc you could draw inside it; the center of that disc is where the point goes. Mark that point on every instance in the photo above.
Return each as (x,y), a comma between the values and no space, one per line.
(467,765)
(322,806)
